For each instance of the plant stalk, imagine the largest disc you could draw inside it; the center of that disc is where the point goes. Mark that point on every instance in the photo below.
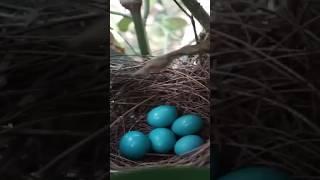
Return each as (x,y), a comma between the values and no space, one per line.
(134,6)
(146,11)
(141,32)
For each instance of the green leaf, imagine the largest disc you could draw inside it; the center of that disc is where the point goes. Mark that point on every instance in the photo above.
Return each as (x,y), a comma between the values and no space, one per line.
(174,23)
(124,23)
(153,2)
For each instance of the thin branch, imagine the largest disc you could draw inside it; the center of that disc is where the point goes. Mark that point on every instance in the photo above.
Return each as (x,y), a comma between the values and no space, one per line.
(192,21)
(157,64)
(198,12)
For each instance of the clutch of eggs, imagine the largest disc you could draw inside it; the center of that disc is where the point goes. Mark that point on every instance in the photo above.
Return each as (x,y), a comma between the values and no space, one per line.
(170,133)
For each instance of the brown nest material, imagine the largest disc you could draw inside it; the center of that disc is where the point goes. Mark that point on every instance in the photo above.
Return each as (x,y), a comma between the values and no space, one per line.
(267,77)
(186,87)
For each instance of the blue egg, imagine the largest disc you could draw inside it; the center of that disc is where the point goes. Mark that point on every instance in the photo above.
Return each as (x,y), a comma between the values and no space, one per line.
(134,145)
(162,140)
(187,125)
(162,116)
(254,173)
(187,144)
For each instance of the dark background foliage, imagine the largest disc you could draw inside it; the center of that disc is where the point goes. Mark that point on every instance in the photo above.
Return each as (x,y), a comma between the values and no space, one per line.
(265,89)
(53,97)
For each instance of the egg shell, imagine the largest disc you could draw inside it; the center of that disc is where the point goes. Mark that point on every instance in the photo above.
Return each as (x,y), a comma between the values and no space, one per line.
(134,145)
(187,124)
(162,140)
(256,173)
(187,144)
(162,116)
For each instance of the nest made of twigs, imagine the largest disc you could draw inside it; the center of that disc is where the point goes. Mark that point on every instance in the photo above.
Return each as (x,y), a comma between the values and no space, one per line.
(266,89)
(186,87)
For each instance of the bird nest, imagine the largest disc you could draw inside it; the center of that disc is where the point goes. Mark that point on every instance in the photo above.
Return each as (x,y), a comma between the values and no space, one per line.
(184,85)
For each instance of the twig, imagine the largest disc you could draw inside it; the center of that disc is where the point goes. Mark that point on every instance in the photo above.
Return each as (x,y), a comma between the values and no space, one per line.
(60,53)
(42,132)
(127,42)
(29,123)
(41,171)
(56,21)
(11,16)
(192,21)
(9,6)
(198,12)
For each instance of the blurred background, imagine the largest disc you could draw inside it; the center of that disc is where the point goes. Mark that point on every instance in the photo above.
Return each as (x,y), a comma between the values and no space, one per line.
(167,26)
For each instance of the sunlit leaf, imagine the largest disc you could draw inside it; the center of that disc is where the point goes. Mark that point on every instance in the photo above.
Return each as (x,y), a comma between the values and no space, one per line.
(124,23)
(174,23)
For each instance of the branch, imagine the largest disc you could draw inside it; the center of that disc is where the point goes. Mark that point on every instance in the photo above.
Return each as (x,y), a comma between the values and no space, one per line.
(198,12)
(159,63)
